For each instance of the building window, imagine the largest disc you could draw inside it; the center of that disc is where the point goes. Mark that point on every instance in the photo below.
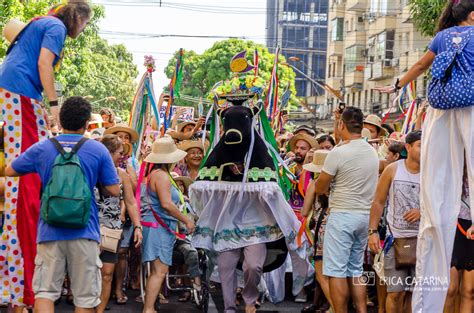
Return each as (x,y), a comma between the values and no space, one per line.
(353,57)
(337,28)
(381,46)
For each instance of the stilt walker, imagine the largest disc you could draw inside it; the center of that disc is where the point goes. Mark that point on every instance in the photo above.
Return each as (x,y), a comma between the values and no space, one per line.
(22,81)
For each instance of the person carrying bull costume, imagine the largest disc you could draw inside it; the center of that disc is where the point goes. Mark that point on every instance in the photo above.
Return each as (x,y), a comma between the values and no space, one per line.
(35,52)
(238,194)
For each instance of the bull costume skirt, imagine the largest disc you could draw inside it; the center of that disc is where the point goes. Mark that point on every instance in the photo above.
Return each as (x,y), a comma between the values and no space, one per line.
(25,123)
(234,215)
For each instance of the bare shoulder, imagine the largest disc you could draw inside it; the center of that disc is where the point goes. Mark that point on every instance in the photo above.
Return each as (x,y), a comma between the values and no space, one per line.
(159,176)
(390,170)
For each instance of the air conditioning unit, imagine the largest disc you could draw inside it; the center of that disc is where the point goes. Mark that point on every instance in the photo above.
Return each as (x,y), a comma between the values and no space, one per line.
(395,62)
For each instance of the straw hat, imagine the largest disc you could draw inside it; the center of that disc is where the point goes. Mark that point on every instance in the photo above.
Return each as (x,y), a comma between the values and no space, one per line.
(186,145)
(123,128)
(366,133)
(304,128)
(186,180)
(164,151)
(12,29)
(184,124)
(316,166)
(373,119)
(309,139)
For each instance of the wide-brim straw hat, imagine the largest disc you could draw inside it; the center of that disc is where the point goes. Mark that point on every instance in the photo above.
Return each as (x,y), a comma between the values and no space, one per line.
(319,157)
(12,29)
(182,125)
(309,139)
(186,180)
(164,151)
(123,128)
(373,119)
(186,145)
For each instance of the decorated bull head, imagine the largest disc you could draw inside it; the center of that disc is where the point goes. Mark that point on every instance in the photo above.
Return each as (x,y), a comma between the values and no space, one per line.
(226,161)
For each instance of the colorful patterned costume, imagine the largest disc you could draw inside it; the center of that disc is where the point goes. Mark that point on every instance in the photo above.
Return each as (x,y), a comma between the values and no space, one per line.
(25,124)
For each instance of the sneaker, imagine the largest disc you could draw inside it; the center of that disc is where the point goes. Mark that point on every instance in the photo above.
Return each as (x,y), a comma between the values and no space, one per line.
(301,297)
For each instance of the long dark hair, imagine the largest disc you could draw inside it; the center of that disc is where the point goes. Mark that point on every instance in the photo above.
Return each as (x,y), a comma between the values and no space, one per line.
(455,12)
(70,14)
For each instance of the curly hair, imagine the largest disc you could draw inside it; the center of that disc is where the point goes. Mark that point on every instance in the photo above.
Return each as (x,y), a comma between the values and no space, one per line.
(109,112)
(74,113)
(71,14)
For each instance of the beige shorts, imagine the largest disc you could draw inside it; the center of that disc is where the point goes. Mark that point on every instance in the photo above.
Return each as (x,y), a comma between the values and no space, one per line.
(80,258)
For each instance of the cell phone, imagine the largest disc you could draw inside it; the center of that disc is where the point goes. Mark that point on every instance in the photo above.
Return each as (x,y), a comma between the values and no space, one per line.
(342,106)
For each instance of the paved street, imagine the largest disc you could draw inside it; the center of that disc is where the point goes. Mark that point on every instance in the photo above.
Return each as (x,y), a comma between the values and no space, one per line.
(216,305)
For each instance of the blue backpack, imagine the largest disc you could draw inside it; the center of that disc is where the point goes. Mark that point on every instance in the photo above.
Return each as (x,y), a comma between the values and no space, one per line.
(452,85)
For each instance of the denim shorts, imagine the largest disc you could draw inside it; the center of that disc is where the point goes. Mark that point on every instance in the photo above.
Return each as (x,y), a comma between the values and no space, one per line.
(345,241)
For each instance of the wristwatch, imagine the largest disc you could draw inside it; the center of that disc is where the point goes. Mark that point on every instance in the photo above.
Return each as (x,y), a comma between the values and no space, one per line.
(397,85)
(139,227)
(372,231)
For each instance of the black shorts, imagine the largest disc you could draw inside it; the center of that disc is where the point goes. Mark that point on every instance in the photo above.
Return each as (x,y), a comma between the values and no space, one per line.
(463,251)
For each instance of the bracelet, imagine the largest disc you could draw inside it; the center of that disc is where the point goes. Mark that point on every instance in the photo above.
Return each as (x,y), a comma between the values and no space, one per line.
(53,103)
(372,231)
(397,85)
(138,227)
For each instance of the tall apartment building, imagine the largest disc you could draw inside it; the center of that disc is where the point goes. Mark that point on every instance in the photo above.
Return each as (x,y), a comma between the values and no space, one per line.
(371,43)
(299,27)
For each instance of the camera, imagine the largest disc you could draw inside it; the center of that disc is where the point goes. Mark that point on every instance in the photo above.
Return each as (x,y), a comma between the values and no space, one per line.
(366,279)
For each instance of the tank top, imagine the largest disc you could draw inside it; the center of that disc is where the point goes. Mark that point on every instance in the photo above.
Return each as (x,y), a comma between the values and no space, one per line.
(149,200)
(404,195)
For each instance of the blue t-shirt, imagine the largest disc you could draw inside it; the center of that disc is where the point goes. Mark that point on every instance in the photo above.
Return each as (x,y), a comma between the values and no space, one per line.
(19,71)
(97,165)
(438,44)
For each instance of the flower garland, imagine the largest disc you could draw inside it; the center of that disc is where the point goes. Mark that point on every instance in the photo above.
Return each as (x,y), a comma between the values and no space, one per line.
(243,85)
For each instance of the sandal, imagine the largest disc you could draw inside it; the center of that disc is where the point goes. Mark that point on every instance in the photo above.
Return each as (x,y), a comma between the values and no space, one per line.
(163,300)
(122,300)
(185,297)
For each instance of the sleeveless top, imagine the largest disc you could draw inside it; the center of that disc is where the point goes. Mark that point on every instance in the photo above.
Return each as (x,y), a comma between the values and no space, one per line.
(149,200)
(109,209)
(404,195)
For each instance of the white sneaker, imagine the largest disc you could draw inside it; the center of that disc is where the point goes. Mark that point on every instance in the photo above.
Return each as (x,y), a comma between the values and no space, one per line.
(301,297)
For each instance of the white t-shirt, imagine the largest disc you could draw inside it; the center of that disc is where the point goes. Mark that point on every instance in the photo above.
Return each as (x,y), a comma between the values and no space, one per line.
(355,167)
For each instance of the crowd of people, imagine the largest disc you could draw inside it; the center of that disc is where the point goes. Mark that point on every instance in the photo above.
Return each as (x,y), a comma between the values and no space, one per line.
(367,197)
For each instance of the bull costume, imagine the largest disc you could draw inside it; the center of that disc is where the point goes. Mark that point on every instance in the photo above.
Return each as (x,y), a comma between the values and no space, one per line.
(243,214)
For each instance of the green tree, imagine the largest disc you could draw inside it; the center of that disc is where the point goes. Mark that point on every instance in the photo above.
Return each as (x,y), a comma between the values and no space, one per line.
(202,71)
(90,66)
(425,14)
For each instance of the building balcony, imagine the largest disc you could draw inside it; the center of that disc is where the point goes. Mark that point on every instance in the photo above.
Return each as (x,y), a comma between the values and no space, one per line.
(335,48)
(357,5)
(355,38)
(334,82)
(407,60)
(337,5)
(380,24)
(379,71)
(355,78)
(405,16)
